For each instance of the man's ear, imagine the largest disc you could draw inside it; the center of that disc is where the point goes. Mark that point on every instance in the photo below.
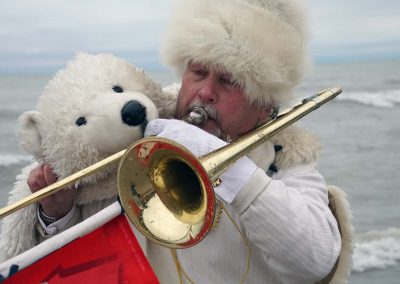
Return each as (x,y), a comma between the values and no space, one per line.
(29,134)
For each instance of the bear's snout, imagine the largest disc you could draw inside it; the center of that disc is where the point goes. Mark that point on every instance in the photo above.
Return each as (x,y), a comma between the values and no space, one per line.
(133,113)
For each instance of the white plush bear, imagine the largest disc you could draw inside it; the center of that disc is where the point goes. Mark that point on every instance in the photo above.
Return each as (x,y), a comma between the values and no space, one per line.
(95,107)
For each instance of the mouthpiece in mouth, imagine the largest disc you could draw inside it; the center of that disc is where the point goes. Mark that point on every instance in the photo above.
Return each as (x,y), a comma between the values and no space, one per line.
(197,116)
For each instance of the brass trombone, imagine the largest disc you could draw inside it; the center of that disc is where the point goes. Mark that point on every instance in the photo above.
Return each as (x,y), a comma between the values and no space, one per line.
(166,192)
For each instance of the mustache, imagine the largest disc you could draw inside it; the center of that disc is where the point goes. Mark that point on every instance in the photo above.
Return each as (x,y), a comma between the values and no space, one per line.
(211,112)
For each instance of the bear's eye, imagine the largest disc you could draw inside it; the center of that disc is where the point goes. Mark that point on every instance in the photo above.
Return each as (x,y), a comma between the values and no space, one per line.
(81,121)
(118,89)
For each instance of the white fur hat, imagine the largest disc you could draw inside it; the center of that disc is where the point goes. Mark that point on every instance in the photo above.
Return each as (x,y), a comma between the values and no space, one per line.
(262,43)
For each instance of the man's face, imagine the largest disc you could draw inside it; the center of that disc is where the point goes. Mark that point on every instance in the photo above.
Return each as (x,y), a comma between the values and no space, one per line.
(230,114)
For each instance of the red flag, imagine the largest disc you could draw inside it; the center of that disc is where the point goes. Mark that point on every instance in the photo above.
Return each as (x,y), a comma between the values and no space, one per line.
(109,254)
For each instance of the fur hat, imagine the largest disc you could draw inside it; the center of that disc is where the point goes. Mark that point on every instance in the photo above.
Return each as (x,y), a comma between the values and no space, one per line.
(262,43)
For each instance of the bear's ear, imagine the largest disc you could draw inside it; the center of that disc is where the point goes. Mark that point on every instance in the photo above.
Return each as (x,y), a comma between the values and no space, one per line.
(29,134)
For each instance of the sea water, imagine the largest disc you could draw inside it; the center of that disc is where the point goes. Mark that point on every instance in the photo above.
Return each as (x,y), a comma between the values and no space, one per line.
(359,131)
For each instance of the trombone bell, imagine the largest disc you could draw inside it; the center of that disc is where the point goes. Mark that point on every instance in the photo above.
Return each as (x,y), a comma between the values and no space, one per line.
(166,192)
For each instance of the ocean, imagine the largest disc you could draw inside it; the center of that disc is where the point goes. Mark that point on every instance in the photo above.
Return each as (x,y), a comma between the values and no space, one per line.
(359,131)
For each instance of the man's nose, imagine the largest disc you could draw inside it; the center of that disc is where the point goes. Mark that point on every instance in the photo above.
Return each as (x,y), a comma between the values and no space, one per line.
(208,92)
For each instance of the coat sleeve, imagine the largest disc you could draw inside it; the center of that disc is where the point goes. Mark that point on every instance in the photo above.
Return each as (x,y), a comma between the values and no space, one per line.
(75,216)
(287,217)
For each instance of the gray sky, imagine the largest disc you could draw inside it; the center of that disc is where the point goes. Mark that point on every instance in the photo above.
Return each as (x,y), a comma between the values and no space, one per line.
(41,35)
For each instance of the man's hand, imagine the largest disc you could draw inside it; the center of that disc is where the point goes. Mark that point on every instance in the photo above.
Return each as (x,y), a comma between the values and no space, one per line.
(198,141)
(56,205)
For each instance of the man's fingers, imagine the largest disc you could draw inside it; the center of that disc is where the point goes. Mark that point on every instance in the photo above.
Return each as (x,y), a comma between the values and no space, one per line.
(36,179)
(154,127)
(40,177)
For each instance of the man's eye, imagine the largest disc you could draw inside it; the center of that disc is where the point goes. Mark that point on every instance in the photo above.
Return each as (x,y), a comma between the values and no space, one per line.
(228,80)
(200,72)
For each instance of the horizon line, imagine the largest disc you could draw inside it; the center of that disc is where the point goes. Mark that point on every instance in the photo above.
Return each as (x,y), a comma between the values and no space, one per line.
(158,67)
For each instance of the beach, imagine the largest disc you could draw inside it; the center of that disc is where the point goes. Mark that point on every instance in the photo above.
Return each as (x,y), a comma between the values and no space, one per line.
(359,132)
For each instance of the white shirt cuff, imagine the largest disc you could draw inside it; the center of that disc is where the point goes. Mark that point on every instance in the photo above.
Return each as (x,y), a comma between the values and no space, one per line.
(58,225)
(234,179)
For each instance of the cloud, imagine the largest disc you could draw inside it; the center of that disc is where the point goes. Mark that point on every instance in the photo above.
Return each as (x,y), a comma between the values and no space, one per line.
(41,35)
(355,29)
(44,34)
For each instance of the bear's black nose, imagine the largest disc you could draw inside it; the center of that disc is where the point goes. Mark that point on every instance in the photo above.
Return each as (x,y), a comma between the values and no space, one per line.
(133,113)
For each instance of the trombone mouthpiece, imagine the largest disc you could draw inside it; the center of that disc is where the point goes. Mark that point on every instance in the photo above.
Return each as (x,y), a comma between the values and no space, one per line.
(197,116)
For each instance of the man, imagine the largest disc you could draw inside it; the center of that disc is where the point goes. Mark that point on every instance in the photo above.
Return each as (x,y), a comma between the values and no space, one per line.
(240,59)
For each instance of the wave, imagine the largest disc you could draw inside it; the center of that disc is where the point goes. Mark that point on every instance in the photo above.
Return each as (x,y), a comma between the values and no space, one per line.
(382,99)
(377,250)
(13,159)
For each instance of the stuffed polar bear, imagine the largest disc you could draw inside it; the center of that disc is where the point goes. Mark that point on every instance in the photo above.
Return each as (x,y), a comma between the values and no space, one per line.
(95,107)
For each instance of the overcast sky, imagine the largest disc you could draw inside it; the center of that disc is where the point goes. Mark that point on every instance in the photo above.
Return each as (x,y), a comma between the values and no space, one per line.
(41,35)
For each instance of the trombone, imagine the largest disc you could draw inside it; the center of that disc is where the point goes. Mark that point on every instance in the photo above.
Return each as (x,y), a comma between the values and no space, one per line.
(165,191)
